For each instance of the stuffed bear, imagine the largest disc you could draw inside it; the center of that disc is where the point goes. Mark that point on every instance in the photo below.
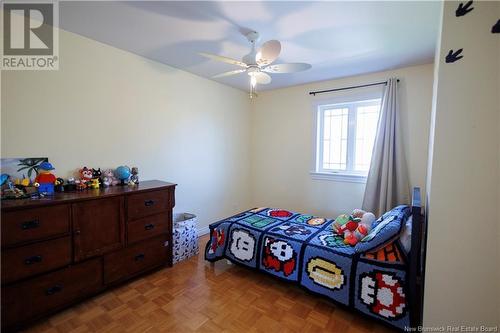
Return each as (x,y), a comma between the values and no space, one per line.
(85,175)
(109,178)
(354,227)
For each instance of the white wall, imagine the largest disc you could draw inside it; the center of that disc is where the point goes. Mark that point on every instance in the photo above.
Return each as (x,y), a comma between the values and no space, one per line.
(463,261)
(106,107)
(282,143)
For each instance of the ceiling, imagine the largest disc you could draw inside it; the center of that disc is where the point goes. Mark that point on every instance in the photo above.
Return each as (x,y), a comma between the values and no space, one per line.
(338,38)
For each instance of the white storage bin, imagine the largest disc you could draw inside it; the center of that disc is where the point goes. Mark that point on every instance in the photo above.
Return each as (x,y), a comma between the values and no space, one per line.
(185,237)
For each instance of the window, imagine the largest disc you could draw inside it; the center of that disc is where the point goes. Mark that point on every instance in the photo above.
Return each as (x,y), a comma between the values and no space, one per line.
(345,137)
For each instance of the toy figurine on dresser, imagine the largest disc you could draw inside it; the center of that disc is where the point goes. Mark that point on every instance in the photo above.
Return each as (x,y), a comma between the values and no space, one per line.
(94,183)
(134,178)
(86,175)
(70,185)
(123,174)
(45,179)
(109,178)
(96,180)
(59,185)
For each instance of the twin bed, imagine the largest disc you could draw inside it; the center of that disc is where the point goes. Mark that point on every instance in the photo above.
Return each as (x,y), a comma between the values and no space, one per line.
(377,277)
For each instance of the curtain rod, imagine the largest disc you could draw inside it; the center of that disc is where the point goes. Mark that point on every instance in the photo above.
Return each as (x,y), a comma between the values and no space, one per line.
(346,88)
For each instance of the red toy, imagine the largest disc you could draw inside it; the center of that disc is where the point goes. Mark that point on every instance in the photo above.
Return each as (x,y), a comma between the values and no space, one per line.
(85,175)
(354,227)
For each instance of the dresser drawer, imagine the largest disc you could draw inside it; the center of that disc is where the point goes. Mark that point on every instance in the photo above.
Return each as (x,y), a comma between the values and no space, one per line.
(147,203)
(32,224)
(37,258)
(148,227)
(134,259)
(27,300)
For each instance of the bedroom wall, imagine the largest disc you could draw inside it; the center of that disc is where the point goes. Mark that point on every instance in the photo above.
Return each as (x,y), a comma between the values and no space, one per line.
(106,107)
(463,256)
(282,143)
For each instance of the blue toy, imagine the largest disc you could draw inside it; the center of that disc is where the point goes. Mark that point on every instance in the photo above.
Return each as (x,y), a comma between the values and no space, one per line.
(45,179)
(123,174)
(3,178)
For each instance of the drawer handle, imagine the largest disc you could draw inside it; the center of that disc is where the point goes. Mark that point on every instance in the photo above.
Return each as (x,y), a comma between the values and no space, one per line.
(149,226)
(139,257)
(30,225)
(32,260)
(52,290)
(149,203)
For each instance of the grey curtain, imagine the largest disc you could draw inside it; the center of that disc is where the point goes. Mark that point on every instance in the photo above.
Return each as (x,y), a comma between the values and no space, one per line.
(387,185)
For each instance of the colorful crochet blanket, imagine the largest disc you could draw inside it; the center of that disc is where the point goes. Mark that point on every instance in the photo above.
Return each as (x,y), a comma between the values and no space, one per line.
(369,277)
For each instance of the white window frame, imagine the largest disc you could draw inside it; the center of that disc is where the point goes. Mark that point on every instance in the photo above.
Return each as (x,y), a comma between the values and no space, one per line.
(349,175)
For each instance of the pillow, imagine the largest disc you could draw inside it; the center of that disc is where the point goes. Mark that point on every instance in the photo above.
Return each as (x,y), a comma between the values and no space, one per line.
(385,229)
(405,238)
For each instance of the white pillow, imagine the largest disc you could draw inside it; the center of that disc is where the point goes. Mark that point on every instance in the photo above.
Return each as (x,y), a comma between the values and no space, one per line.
(405,238)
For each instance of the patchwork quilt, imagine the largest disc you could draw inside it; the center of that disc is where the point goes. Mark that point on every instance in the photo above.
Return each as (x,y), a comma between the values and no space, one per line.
(369,277)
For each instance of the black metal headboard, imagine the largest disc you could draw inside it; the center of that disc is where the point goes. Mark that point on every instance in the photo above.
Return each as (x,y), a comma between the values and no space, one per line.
(416,269)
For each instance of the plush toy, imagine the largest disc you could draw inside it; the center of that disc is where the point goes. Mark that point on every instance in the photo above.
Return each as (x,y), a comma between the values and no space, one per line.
(96,174)
(86,175)
(80,185)
(358,213)
(109,178)
(345,223)
(368,219)
(354,227)
(94,183)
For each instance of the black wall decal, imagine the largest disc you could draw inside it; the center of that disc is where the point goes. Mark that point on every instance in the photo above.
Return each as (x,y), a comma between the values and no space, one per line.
(496,28)
(453,56)
(463,9)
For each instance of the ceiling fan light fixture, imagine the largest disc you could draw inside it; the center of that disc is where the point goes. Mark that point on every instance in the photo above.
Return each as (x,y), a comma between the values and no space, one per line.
(253,90)
(253,81)
(257,63)
(258,56)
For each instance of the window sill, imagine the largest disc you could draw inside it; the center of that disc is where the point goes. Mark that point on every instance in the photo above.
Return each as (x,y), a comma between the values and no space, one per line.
(340,177)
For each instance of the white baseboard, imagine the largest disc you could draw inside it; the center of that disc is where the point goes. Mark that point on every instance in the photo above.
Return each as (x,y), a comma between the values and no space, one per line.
(203,231)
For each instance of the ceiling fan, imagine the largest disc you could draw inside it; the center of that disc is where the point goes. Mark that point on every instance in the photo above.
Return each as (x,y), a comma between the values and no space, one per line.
(258,62)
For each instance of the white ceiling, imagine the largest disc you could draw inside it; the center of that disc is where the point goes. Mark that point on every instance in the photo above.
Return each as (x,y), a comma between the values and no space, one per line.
(338,38)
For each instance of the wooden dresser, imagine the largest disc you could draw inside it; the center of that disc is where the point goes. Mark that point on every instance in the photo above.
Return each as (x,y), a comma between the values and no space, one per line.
(57,251)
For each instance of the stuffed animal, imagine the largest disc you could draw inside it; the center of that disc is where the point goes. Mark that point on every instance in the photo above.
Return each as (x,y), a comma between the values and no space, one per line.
(109,178)
(85,175)
(358,213)
(80,185)
(345,223)
(354,227)
(97,174)
(94,183)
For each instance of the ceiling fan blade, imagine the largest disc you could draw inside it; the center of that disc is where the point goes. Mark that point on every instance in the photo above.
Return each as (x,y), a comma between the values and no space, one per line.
(287,68)
(268,52)
(237,71)
(262,78)
(223,59)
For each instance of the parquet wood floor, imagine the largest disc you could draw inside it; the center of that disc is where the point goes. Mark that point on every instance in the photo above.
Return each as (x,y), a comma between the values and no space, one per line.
(196,296)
